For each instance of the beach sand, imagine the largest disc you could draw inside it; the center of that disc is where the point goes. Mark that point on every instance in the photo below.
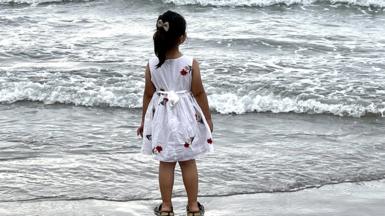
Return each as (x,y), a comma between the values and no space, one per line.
(346,199)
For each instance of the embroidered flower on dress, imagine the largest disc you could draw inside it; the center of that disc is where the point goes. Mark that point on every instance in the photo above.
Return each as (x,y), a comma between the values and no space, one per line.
(149,137)
(199,118)
(189,142)
(164,101)
(209,141)
(187,69)
(157,149)
(183,72)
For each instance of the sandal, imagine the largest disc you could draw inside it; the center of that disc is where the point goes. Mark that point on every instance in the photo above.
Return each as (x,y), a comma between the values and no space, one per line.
(158,212)
(201,211)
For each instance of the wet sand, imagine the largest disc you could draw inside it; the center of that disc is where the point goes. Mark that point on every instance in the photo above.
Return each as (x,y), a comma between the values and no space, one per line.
(347,199)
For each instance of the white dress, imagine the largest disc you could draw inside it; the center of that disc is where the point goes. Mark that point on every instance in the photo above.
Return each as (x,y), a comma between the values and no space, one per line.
(175,128)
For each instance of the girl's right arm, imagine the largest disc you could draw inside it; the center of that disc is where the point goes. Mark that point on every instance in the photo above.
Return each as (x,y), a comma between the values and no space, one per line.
(199,93)
(149,90)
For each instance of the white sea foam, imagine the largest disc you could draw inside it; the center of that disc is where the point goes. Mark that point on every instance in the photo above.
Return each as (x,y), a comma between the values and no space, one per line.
(89,95)
(222,103)
(36,2)
(231,103)
(231,3)
(262,3)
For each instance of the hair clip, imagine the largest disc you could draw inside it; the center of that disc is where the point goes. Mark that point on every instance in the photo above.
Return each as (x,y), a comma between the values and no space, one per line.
(164,25)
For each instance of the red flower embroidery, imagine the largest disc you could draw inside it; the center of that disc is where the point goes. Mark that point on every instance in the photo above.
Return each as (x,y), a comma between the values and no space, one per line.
(184,72)
(159,148)
(209,141)
(164,101)
(186,145)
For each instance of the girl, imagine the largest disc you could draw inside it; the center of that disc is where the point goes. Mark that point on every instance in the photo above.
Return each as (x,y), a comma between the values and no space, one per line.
(176,122)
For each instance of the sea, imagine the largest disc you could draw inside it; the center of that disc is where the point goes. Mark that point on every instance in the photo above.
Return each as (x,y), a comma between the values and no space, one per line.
(296,88)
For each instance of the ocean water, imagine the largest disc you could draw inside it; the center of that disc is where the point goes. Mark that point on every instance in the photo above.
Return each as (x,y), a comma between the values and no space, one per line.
(297,88)
(292,56)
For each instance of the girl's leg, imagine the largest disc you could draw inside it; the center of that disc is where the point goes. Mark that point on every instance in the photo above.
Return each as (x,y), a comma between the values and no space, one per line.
(166,182)
(190,180)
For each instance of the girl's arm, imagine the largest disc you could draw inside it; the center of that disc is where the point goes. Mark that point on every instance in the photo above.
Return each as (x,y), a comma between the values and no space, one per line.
(199,92)
(149,90)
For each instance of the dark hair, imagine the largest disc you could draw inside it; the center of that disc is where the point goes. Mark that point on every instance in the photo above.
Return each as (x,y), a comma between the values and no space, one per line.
(166,40)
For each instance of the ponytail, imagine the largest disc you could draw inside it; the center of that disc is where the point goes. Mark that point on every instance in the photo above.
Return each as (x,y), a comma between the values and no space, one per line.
(169,27)
(160,45)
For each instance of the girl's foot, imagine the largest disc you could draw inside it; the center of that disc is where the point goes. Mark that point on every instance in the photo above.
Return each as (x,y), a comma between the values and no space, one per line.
(199,210)
(193,207)
(163,211)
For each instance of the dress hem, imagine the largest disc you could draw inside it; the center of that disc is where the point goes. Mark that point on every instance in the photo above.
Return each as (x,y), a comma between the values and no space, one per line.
(195,157)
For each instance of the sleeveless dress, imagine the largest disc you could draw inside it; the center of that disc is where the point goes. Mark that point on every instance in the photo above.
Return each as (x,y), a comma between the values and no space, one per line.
(175,128)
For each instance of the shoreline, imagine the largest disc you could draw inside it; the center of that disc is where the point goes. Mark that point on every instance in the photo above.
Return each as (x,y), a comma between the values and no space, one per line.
(345,199)
(138,110)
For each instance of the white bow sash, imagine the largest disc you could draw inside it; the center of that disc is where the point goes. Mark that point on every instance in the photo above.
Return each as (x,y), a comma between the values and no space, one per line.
(172,97)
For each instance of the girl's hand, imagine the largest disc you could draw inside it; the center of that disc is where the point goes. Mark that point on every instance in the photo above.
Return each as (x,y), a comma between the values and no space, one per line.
(139,131)
(210,123)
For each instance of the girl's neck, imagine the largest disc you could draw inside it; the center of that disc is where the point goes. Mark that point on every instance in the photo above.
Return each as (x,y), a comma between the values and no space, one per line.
(173,53)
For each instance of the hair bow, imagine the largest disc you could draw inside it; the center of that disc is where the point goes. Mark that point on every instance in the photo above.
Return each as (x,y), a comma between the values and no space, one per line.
(164,25)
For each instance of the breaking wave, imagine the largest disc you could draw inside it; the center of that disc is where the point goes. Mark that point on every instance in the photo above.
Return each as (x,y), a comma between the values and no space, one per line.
(223,3)
(227,103)
(37,2)
(264,3)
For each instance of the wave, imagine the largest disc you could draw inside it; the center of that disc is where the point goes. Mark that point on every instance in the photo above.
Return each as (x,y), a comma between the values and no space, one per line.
(38,2)
(80,96)
(223,103)
(231,103)
(222,3)
(265,3)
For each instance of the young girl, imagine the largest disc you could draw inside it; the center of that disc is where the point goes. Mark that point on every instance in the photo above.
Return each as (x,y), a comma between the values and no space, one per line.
(176,122)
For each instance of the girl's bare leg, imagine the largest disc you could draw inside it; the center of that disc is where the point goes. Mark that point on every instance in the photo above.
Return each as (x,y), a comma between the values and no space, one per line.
(166,182)
(190,180)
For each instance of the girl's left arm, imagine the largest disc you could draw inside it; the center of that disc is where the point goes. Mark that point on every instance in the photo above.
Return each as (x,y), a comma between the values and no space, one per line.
(149,90)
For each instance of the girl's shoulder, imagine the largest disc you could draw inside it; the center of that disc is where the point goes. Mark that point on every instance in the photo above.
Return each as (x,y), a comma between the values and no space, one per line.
(189,59)
(183,60)
(153,60)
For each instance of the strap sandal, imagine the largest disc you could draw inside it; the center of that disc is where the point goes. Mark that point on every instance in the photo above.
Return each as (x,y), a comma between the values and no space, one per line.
(201,211)
(158,212)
